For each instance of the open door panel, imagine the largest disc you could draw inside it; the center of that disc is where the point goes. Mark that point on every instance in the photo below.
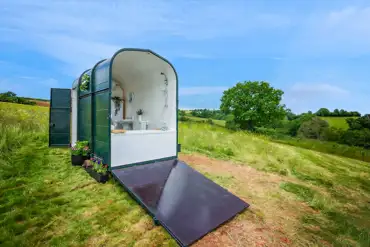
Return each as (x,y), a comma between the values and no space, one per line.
(187,204)
(60,117)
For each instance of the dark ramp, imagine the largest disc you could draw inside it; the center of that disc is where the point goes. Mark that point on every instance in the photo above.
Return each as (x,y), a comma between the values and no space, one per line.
(185,202)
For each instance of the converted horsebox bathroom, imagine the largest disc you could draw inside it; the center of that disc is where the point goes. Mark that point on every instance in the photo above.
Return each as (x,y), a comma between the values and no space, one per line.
(126,108)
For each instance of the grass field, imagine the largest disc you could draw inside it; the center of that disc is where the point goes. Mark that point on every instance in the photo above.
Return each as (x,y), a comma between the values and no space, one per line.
(215,121)
(336,189)
(337,122)
(298,197)
(44,201)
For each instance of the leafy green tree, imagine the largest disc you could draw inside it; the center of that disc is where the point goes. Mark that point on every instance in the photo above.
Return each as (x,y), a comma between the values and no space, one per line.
(290,115)
(355,114)
(336,113)
(253,104)
(13,98)
(323,112)
(358,123)
(313,129)
(293,126)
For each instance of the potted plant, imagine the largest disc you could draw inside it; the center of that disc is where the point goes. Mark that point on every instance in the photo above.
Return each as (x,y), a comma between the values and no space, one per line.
(84,86)
(117,104)
(97,169)
(80,152)
(140,113)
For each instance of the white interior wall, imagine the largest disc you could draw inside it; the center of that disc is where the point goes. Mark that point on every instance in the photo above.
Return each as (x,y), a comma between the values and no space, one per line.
(74,116)
(117,91)
(139,146)
(140,73)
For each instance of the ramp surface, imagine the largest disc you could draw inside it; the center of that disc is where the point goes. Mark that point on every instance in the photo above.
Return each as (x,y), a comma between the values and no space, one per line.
(181,199)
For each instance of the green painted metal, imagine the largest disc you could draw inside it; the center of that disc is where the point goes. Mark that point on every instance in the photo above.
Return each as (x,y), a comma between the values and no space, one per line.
(89,90)
(94,106)
(84,111)
(75,83)
(101,111)
(84,120)
(144,162)
(60,117)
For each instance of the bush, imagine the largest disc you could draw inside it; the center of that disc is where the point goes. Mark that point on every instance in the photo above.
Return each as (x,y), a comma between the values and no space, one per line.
(209,121)
(183,119)
(12,98)
(265,131)
(333,134)
(313,129)
(230,124)
(359,138)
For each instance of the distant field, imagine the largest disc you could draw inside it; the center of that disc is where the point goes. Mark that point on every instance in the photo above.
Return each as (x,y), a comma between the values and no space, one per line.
(337,122)
(199,119)
(42,103)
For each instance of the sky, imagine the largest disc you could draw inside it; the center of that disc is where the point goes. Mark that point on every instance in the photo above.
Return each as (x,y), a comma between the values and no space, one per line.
(317,52)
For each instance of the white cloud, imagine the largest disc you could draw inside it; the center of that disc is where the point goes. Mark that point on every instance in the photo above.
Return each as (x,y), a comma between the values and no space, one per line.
(27,77)
(80,33)
(302,97)
(341,32)
(201,90)
(315,89)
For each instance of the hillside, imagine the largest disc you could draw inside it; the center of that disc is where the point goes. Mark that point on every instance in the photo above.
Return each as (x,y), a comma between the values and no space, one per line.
(298,197)
(215,121)
(337,122)
(40,102)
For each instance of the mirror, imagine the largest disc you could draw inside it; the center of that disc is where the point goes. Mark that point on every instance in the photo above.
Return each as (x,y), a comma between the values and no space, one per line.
(131,97)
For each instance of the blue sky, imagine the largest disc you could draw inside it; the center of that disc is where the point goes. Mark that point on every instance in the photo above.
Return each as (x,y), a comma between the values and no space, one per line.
(317,52)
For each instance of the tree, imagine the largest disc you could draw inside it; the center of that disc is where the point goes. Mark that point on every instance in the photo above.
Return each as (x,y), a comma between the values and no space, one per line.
(358,123)
(355,114)
(253,104)
(12,97)
(313,129)
(290,115)
(323,112)
(336,112)
(293,126)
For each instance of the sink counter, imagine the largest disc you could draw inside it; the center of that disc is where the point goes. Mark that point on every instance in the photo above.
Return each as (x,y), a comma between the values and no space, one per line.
(145,132)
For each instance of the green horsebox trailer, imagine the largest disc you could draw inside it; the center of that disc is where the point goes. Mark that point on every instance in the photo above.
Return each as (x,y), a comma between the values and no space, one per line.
(126,108)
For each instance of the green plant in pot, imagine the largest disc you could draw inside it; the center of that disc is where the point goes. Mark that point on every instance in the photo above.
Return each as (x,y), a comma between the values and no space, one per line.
(80,152)
(97,169)
(140,113)
(85,80)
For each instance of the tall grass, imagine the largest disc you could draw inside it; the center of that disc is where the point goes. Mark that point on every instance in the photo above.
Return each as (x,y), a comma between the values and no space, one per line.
(337,187)
(326,147)
(18,124)
(44,201)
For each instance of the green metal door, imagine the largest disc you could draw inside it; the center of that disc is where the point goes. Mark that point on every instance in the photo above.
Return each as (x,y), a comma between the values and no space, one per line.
(84,113)
(60,117)
(101,111)
(100,126)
